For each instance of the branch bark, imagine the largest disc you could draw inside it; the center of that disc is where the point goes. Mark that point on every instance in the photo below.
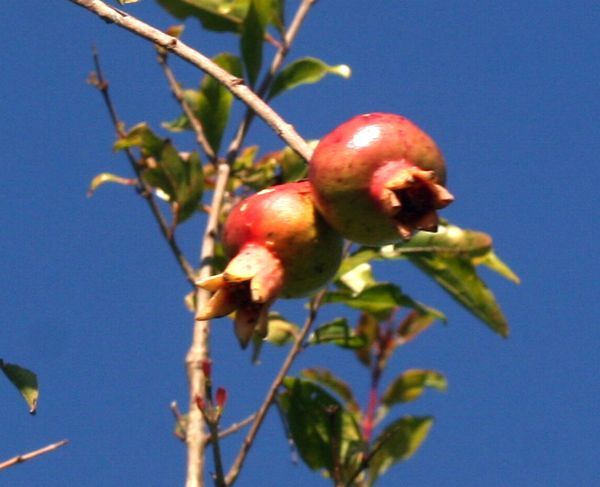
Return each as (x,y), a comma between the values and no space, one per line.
(235,469)
(236,85)
(28,456)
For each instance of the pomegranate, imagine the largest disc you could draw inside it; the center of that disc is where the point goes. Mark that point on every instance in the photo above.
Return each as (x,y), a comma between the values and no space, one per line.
(279,246)
(378,178)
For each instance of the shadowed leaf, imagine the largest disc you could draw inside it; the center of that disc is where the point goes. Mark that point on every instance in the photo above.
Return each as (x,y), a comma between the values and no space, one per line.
(398,442)
(320,427)
(25,381)
(327,379)
(410,385)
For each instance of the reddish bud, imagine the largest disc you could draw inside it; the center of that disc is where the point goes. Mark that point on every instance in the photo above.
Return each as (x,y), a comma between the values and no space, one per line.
(221,397)
(200,403)
(207,368)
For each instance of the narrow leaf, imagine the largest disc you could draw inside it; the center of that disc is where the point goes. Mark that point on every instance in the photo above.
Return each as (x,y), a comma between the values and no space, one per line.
(491,260)
(398,442)
(411,384)
(303,71)
(380,299)
(25,381)
(281,331)
(251,40)
(107,177)
(337,332)
(459,278)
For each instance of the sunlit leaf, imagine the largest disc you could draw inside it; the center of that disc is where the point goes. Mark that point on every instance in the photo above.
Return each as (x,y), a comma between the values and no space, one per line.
(327,379)
(125,2)
(107,177)
(25,381)
(399,441)
(141,136)
(322,429)
(411,384)
(358,278)
(304,71)
(215,15)
(492,261)
(337,332)
(380,299)
(281,331)
(459,278)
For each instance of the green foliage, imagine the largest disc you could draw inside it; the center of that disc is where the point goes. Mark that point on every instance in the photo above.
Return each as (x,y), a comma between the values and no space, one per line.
(410,385)
(450,257)
(25,381)
(215,15)
(399,441)
(326,434)
(304,71)
(179,177)
(107,177)
(338,333)
(211,103)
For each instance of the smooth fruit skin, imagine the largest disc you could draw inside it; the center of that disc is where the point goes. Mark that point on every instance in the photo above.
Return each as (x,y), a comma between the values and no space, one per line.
(279,246)
(378,178)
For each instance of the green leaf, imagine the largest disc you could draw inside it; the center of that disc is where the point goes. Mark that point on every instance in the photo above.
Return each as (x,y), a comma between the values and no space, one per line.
(281,331)
(492,261)
(211,104)
(327,379)
(368,328)
(398,442)
(25,381)
(322,429)
(411,384)
(181,179)
(141,136)
(303,71)
(416,323)
(293,167)
(215,15)
(251,40)
(337,332)
(459,278)
(358,278)
(379,299)
(107,177)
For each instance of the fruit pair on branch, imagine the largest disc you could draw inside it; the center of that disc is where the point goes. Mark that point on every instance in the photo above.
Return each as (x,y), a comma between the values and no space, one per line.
(374,180)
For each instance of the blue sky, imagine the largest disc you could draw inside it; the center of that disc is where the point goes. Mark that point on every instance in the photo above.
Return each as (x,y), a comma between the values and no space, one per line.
(92,300)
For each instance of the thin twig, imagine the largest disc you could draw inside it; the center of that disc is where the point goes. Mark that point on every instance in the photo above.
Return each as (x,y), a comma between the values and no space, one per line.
(185,107)
(235,427)
(142,188)
(213,428)
(28,456)
(235,469)
(179,48)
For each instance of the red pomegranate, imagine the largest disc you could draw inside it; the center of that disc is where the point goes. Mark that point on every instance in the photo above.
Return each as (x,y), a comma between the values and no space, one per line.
(378,178)
(279,246)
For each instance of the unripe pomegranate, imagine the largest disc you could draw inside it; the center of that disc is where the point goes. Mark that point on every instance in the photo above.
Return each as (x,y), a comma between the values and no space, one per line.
(279,246)
(378,178)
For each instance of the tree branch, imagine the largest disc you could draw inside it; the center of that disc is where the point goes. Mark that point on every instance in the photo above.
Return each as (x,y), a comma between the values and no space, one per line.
(235,469)
(28,456)
(179,96)
(236,85)
(142,188)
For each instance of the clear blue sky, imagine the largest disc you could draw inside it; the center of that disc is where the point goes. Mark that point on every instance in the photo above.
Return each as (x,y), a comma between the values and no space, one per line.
(92,300)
